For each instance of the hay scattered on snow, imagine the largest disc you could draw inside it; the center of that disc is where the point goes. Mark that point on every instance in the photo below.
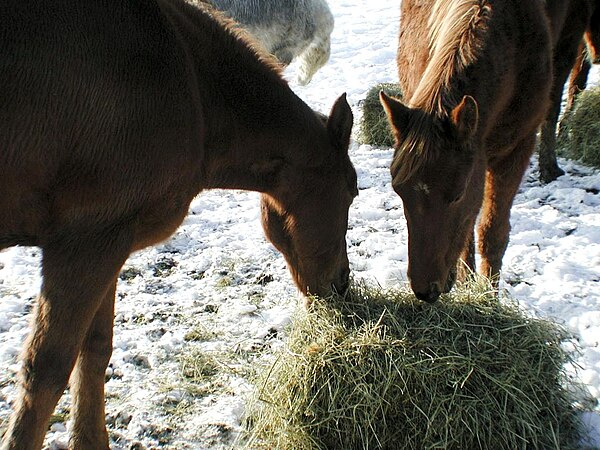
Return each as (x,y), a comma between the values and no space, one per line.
(374,127)
(384,371)
(579,136)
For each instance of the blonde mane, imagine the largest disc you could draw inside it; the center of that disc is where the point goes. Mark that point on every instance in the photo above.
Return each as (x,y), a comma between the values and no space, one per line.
(456,32)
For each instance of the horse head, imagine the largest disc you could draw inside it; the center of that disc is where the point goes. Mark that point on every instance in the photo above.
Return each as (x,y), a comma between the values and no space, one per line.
(433,171)
(306,215)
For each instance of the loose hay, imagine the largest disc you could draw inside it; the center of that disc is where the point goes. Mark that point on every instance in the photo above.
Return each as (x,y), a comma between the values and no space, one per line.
(579,136)
(374,127)
(384,371)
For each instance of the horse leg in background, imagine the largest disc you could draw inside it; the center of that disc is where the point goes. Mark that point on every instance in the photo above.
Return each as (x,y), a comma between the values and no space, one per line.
(549,170)
(318,51)
(579,76)
(466,263)
(563,63)
(577,83)
(87,381)
(312,59)
(78,271)
(502,182)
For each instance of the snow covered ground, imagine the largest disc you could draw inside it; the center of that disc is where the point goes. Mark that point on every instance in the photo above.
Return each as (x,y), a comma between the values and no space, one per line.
(218,289)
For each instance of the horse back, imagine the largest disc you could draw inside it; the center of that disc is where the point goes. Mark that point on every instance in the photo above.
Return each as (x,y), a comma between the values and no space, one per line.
(98,119)
(510,76)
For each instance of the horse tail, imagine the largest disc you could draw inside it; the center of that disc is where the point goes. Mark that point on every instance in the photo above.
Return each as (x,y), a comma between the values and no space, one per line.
(318,51)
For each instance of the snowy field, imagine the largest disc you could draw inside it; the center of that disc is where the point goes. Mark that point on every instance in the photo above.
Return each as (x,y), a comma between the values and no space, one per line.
(220,290)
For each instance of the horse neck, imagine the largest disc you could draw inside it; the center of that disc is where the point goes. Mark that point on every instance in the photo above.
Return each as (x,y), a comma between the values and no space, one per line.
(255,122)
(250,117)
(457,33)
(248,156)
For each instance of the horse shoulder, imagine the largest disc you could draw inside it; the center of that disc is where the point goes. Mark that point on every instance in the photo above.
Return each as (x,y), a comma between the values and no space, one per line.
(106,129)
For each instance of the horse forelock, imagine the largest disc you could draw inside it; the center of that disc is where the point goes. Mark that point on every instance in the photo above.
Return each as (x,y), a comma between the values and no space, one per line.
(415,149)
(456,32)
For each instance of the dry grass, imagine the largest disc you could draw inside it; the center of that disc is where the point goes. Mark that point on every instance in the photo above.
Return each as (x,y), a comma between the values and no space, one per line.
(579,137)
(374,127)
(381,370)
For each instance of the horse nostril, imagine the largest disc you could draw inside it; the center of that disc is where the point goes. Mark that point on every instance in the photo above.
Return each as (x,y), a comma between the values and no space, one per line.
(345,276)
(450,281)
(344,283)
(430,296)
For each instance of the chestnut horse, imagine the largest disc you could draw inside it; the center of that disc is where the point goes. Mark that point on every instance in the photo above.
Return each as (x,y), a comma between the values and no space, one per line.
(575,29)
(114,115)
(578,76)
(477,77)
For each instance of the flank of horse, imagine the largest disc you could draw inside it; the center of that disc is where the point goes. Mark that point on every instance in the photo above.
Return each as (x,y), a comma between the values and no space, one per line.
(477,77)
(575,29)
(287,29)
(114,115)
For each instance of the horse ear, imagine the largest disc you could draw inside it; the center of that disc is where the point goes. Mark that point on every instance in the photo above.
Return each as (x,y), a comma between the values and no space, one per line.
(339,124)
(397,114)
(465,117)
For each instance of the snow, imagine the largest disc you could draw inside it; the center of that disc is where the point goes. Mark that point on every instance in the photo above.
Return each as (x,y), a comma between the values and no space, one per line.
(219,277)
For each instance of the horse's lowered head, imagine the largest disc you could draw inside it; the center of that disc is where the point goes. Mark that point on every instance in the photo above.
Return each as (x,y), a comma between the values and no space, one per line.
(434,172)
(306,216)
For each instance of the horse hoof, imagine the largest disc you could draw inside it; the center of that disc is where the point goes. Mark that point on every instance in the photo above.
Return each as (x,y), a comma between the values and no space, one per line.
(550,174)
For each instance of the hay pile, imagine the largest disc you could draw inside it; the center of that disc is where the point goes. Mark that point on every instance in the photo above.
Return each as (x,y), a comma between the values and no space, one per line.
(381,371)
(374,127)
(579,136)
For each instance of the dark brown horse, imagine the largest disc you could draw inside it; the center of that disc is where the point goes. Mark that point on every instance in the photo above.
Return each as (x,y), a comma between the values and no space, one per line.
(575,29)
(113,116)
(477,75)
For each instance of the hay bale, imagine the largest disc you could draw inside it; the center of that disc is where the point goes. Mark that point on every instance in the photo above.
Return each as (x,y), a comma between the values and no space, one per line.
(579,136)
(374,127)
(384,371)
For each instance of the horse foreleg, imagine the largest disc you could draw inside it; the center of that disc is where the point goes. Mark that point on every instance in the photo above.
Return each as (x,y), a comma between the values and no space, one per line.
(502,182)
(87,381)
(466,264)
(78,271)
(549,170)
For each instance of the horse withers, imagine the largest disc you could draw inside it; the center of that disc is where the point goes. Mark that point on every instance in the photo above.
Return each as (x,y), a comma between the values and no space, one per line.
(287,29)
(476,75)
(113,117)
(575,30)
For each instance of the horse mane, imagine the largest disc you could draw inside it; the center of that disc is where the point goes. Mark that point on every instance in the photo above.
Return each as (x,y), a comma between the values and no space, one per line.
(456,32)
(239,33)
(248,81)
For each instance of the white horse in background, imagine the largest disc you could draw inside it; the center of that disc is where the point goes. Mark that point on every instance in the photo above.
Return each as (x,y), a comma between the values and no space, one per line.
(286,29)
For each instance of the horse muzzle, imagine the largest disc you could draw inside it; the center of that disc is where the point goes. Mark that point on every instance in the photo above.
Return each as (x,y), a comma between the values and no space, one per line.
(431,295)
(436,288)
